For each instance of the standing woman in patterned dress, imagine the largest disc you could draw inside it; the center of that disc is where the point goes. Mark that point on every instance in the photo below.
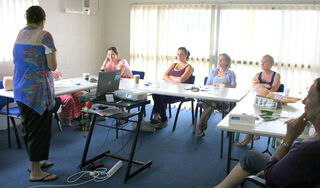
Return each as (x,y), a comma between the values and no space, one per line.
(34,58)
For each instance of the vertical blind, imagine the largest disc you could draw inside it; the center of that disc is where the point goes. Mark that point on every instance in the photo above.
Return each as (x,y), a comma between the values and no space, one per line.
(157,31)
(289,33)
(12,19)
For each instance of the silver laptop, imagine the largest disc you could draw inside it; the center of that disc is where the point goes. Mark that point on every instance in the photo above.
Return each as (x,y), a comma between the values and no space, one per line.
(108,82)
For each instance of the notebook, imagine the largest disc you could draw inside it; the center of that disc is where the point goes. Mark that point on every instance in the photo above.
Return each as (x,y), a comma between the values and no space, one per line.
(108,82)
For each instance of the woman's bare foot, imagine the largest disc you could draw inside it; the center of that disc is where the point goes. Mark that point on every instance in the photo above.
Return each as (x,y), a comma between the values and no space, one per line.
(200,130)
(38,175)
(43,164)
(42,176)
(256,137)
(246,140)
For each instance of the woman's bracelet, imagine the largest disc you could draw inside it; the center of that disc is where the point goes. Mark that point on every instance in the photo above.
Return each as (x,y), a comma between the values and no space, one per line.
(284,143)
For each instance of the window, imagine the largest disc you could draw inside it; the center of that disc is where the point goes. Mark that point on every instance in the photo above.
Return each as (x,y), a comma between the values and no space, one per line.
(157,31)
(290,34)
(12,17)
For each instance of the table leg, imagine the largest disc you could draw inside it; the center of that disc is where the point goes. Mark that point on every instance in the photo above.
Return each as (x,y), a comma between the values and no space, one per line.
(85,151)
(86,161)
(146,165)
(221,144)
(117,128)
(229,152)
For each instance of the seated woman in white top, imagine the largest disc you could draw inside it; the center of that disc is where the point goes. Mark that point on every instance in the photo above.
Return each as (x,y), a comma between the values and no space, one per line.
(221,75)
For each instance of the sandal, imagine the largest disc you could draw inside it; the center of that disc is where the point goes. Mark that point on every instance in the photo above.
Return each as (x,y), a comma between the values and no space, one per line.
(155,121)
(43,164)
(256,137)
(162,125)
(244,142)
(200,133)
(48,177)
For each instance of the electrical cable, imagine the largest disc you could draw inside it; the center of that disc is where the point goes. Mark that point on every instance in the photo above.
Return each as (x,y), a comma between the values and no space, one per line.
(98,175)
(123,145)
(104,142)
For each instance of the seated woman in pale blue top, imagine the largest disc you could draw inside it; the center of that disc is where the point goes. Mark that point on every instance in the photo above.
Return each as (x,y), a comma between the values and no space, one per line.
(218,76)
(229,80)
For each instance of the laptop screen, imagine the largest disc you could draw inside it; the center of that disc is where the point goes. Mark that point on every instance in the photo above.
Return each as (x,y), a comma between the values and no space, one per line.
(108,82)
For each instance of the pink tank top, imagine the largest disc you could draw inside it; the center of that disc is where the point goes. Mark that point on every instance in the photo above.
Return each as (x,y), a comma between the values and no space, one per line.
(127,73)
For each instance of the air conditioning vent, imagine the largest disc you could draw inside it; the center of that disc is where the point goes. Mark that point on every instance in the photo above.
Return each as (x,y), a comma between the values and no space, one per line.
(84,7)
(86,3)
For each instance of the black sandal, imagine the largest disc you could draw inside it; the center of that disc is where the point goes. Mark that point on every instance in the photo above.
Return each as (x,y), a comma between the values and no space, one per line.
(155,121)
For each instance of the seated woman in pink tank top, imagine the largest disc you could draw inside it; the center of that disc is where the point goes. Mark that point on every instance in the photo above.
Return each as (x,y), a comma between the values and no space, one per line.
(113,62)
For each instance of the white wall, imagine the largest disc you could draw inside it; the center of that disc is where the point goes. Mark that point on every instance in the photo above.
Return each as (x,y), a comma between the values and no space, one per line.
(117,26)
(79,39)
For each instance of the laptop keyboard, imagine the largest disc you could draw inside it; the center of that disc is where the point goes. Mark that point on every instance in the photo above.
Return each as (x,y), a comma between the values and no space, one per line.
(88,96)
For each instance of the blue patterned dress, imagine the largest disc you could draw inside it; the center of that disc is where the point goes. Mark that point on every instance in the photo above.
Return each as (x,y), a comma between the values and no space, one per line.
(33,81)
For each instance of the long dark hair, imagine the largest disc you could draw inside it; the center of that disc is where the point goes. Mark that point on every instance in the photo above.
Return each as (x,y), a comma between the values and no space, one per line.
(35,15)
(317,83)
(114,49)
(186,52)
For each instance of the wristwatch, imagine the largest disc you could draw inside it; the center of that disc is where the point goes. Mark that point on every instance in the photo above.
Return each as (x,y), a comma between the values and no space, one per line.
(284,143)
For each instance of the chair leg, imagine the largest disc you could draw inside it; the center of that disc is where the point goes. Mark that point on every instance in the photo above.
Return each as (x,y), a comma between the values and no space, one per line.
(177,114)
(252,141)
(192,111)
(58,121)
(273,142)
(236,138)
(16,132)
(223,113)
(9,136)
(195,120)
(170,111)
(151,113)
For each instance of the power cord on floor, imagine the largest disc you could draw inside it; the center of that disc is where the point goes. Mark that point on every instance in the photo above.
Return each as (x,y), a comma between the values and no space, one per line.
(98,175)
